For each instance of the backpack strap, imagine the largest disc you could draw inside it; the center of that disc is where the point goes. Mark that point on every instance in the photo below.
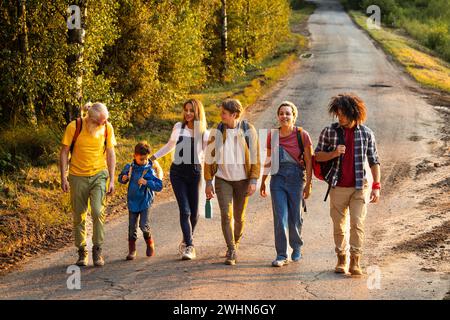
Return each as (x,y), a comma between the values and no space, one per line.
(301,146)
(78,127)
(106,136)
(245,127)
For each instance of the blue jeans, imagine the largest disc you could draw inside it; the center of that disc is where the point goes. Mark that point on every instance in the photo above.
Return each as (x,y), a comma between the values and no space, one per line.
(286,188)
(143,218)
(186,184)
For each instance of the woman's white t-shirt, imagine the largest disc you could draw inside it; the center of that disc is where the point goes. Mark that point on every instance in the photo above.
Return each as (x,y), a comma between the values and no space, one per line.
(186,132)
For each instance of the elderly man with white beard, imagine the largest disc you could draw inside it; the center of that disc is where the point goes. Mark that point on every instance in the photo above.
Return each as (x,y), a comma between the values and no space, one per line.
(90,141)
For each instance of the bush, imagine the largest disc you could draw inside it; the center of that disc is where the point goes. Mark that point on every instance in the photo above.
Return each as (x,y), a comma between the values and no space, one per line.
(26,146)
(437,36)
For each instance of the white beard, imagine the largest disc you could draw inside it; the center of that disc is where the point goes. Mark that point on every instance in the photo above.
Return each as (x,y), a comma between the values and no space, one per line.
(94,129)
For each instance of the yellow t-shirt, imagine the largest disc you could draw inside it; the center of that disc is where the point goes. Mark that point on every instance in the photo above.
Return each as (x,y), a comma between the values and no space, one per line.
(88,158)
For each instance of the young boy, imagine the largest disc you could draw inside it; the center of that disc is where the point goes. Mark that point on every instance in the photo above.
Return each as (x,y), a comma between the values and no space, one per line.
(142,183)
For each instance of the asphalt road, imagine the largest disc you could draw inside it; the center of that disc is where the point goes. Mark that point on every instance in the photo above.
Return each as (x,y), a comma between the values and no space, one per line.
(343,59)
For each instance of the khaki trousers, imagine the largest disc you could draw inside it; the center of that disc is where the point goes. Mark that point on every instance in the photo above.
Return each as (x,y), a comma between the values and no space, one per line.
(85,192)
(232,202)
(342,202)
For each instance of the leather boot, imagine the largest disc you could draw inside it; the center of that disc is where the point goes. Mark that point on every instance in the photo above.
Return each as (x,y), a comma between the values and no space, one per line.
(150,252)
(97,256)
(341,265)
(355,268)
(131,250)
(82,257)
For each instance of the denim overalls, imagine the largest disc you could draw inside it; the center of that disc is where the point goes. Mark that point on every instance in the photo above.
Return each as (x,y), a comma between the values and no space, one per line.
(286,188)
(185,179)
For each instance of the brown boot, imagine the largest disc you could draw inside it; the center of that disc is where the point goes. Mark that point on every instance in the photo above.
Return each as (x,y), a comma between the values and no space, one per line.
(131,250)
(97,256)
(341,265)
(150,252)
(355,268)
(82,257)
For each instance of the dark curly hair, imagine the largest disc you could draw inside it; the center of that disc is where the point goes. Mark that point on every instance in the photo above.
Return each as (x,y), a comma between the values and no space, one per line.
(350,105)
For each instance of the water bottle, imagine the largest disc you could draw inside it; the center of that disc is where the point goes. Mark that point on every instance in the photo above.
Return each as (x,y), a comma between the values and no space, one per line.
(208,209)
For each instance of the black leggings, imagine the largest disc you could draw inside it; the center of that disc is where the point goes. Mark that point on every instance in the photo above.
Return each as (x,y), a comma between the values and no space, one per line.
(186,188)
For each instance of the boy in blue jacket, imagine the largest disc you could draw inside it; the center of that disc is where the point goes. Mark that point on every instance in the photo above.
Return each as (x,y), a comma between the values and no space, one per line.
(142,183)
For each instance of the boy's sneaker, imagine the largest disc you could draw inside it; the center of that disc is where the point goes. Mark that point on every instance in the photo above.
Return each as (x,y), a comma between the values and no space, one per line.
(279,263)
(189,253)
(231,258)
(82,257)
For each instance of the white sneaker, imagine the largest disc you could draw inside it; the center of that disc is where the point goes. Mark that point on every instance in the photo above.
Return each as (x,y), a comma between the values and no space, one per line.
(189,253)
(279,263)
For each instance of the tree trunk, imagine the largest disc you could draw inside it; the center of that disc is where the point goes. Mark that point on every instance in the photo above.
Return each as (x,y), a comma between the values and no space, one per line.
(75,39)
(247,30)
(27,99)
(224,39)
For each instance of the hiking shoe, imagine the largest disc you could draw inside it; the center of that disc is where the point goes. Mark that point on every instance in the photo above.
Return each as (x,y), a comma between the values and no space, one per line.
(82,257)
(189,253)
(131,250)
(279,263)
(236,247)
(296,255)
(97,256)
(231,258)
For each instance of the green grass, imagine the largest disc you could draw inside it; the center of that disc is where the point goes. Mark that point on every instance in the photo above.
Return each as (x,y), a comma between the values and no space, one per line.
(421,63)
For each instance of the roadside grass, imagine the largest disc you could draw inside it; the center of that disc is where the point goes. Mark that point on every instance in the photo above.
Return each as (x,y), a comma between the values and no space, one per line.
(420,62)
(33,209)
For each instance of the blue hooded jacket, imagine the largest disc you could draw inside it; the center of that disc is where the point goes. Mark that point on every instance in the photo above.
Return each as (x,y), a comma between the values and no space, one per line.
(140,198)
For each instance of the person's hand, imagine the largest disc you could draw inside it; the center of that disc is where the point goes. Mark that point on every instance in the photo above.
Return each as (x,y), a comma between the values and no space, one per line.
(339,150)
(262,190)
(141,182)
(125,178)
(209,191)
(158,170)
(111,188)
(307,190)
(251,189)
(65,185)
(375,195)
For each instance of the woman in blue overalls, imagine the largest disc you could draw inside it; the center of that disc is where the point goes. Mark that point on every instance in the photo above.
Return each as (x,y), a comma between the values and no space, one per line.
(289,159)
(189,139)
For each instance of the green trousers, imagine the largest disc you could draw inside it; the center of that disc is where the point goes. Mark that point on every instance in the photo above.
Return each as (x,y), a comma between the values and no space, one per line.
(88,192)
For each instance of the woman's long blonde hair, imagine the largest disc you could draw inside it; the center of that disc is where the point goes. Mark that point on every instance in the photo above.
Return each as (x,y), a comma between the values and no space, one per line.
(199,114)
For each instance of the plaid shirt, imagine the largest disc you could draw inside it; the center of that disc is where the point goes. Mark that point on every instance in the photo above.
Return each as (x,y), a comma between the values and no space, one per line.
(365,148)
